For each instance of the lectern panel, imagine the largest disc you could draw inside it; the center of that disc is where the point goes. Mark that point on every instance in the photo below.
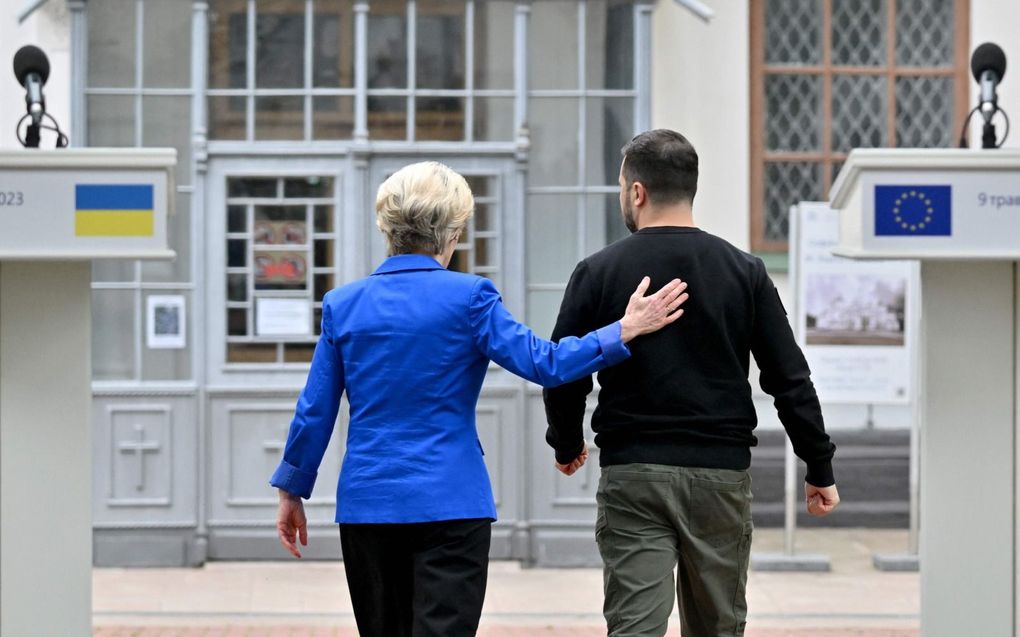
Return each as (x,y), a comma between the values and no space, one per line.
(85,203)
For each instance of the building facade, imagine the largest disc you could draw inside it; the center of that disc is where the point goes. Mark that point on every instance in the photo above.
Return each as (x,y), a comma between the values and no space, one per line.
(287,114)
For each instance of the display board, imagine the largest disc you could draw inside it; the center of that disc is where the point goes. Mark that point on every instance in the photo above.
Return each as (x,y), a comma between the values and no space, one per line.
(855,320)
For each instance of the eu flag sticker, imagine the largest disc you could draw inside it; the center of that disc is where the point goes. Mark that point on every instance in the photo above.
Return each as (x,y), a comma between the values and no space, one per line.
(914,210)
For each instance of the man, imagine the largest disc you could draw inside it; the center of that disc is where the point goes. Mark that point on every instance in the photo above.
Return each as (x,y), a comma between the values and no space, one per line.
(674,423)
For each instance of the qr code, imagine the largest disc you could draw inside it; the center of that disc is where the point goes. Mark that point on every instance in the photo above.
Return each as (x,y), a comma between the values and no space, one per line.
(167,320)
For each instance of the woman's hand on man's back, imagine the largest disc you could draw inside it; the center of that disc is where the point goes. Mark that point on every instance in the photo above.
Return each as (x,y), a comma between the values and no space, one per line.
(646,314)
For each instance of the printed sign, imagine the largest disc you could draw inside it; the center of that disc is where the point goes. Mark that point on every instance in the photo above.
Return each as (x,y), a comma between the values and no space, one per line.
(165,322)
(283,317)
(853,318)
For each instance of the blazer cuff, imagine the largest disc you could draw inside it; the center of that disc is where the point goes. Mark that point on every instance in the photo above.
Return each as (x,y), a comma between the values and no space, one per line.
(293,480)
(614,350)
(819,474)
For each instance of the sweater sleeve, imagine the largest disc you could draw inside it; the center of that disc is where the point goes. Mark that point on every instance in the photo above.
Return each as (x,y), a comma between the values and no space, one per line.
(786,377)
(565,405)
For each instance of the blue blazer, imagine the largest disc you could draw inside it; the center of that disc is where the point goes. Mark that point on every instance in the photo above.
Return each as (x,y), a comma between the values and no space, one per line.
(410,345)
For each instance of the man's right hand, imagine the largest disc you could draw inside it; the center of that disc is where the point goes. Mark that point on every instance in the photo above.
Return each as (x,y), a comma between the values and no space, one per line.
(575,464)
(821,501)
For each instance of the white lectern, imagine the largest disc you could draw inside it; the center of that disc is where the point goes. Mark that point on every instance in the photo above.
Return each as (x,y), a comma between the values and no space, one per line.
(58,211)
(958,212)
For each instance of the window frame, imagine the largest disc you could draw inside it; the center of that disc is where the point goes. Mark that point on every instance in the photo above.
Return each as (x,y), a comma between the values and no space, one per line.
(759,156)
(137,284)
(409,92)
(252,292)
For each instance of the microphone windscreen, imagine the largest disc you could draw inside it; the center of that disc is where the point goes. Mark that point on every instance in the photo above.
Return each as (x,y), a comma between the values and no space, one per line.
(31,59)
(988,57)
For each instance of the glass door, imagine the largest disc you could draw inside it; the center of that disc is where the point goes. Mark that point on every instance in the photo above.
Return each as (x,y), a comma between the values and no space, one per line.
(274,236)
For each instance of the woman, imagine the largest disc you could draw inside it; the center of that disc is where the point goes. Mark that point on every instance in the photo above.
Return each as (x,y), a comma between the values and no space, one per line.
(410,345)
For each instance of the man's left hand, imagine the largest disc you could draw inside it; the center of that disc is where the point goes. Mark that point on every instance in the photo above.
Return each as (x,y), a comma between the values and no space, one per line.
(821,501)
(577,463)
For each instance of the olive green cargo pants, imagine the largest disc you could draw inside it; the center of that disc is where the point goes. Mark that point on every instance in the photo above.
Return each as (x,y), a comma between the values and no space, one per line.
(653,519)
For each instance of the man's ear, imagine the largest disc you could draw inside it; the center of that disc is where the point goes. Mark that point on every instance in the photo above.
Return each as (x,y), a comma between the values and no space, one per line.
(640,194)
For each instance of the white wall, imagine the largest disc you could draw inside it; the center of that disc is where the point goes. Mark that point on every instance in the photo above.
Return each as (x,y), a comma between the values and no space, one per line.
(700,88)
(49,29)
(998,21)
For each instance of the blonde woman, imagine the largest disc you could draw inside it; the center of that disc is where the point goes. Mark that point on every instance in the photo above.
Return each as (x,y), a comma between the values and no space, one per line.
(410,345)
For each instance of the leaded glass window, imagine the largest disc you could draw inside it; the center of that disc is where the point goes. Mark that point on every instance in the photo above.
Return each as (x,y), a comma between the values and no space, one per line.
(832,75)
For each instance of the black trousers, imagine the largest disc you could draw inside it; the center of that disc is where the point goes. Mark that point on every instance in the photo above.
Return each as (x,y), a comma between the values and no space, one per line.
(417,580)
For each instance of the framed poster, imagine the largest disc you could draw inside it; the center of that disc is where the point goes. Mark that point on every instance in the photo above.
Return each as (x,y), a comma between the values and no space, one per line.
(166,322)
(855,320)
(280,270)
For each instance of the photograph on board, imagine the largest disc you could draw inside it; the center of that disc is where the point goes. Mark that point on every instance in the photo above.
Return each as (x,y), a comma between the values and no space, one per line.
(859,309)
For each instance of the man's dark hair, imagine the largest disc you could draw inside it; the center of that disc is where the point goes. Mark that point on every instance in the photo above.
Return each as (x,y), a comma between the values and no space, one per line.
(665,162)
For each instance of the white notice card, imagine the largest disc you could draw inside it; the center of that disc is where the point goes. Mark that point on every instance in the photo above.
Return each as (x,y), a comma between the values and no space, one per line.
(283,317)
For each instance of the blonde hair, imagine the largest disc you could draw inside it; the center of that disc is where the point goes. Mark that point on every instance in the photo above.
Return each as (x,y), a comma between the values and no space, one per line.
(421,207)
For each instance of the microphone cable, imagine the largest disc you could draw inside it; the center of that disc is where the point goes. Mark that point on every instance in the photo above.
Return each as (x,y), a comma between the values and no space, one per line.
(62,140)
(966,125)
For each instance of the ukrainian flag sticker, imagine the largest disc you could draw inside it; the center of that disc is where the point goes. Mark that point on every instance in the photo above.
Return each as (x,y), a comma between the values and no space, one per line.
(113,210)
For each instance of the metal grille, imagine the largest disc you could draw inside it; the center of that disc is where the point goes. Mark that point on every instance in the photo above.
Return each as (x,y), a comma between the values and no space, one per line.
(786,183)
(793,112)
(793,32)
(924,33)
(859,33)
(859,107)
(924,112)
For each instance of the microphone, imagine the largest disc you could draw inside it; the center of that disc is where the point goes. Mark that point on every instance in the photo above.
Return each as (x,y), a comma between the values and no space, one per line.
(32,69)
(988,64)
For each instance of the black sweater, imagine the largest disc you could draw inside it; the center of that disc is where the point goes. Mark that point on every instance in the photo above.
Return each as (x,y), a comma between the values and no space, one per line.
(683,398)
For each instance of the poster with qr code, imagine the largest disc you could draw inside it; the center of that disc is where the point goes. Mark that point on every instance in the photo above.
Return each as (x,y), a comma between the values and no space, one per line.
(165,322)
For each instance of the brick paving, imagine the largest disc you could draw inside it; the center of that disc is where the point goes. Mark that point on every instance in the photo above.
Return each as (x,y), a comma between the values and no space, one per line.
(485,631)
(310,599)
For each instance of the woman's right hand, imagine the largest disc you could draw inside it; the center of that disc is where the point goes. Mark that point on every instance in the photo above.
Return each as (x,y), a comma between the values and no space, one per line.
(646,314)
(291,524)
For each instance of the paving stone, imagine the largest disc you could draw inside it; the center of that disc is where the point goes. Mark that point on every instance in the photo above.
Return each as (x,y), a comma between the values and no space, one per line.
(485,631)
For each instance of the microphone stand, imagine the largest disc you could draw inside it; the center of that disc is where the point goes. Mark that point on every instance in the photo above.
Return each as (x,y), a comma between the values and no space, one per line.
(988,133)
(32,136)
